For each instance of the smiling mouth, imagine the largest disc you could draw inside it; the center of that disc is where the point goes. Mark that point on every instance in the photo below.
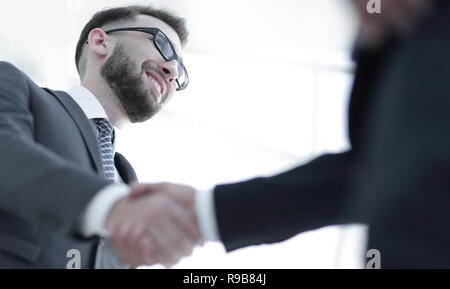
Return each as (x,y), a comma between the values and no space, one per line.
(156,85)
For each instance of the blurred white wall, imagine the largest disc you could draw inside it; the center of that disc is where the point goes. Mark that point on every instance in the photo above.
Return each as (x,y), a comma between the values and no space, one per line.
(269,87)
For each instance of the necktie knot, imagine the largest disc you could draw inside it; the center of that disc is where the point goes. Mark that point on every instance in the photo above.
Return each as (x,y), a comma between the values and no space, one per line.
(104,138)
(104,126)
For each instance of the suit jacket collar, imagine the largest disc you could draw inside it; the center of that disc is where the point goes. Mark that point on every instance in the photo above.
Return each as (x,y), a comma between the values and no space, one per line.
(84,126)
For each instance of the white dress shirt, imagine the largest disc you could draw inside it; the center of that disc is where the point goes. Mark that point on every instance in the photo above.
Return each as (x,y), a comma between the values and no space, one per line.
(94,217)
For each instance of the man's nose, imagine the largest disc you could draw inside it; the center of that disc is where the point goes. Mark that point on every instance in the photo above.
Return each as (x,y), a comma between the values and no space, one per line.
(169,70)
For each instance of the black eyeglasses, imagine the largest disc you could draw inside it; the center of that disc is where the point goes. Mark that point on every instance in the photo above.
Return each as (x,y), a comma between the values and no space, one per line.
(165,48)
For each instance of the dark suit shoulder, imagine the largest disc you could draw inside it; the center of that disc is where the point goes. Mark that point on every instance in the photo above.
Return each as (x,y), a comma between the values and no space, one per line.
(6,66)
(10,74)
(14,81)
(14,85)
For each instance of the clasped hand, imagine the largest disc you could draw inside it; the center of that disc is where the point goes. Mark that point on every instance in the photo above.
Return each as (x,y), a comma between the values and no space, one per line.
(154,224)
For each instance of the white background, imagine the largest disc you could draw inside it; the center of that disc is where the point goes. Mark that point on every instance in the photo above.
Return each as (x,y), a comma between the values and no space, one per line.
(270,82)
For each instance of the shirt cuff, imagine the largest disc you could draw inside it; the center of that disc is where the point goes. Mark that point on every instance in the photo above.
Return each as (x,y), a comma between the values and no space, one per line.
(94,217)
(206,215)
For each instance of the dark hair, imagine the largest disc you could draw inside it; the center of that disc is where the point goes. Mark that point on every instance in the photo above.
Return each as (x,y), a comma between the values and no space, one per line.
(111,15)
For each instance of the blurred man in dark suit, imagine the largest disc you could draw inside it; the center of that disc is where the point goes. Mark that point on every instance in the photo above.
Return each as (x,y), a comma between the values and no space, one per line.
(394,178)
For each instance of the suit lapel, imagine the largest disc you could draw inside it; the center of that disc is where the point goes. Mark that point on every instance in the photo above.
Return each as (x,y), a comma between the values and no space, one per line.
(83,125)
(124,168)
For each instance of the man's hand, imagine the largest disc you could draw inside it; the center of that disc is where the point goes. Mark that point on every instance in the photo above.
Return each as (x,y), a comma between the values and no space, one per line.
(397,16)
(150,227)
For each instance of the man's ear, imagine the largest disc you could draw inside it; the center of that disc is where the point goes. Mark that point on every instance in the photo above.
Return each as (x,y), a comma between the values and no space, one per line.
(99,42)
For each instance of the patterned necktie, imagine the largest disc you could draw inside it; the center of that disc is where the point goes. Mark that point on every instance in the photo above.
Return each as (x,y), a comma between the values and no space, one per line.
(104,138)
(106,257)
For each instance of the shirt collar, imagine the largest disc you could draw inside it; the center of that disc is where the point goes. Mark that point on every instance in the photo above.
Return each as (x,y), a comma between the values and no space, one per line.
(87,101)
(89,105)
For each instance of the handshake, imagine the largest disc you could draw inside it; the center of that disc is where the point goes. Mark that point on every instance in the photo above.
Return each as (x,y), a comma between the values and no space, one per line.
(154,224)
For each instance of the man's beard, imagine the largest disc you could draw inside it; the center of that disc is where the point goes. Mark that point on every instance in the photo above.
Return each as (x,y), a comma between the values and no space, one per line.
(128,86)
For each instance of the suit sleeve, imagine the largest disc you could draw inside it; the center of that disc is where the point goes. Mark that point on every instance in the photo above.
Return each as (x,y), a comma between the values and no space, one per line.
(272,209)
(35,183)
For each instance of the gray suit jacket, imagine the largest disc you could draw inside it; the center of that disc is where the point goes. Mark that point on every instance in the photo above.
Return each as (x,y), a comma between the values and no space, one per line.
(50,168)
